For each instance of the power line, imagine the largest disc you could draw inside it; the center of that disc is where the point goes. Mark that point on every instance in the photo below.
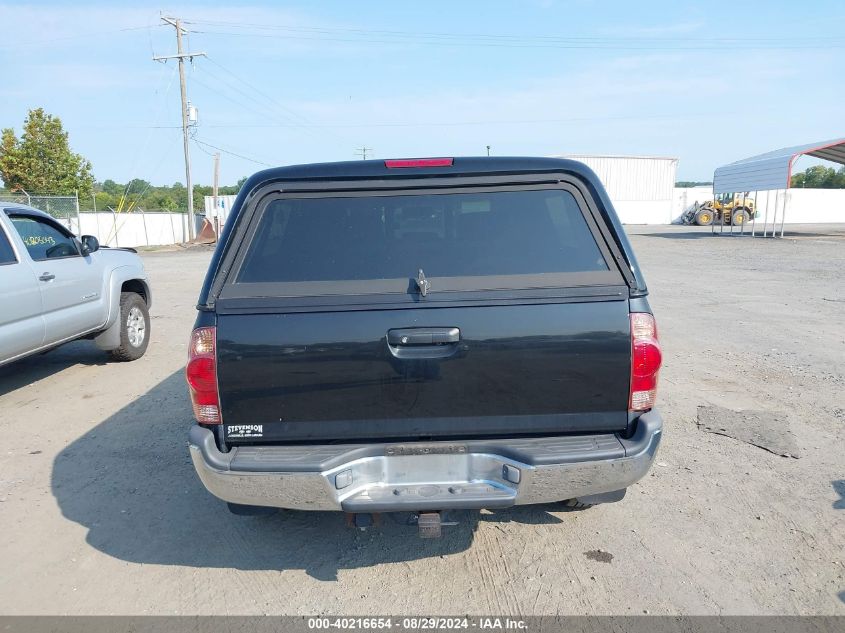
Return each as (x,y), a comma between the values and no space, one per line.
(150,176)
(256,106)
(296,119)
(226,151)
(265,111)
(498,36)
(239,77)
(143,149)
(646,47)
(519,41)
(635,117)
(260,110)
(53,40)
(229,97)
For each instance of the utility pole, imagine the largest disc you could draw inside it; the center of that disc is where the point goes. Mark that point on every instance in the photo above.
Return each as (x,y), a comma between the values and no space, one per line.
(362,152)
(488,150)
(214,193)
(180,57)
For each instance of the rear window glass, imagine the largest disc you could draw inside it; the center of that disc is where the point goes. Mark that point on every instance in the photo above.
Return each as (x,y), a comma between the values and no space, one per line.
(446,235)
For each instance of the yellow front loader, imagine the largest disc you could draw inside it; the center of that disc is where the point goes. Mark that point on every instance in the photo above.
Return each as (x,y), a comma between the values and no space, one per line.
(726,208)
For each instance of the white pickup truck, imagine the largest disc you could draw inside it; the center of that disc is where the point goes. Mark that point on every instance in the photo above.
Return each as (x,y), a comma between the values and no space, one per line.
(55,288)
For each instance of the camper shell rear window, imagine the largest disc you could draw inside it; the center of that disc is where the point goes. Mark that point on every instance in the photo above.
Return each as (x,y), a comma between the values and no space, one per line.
(312,244)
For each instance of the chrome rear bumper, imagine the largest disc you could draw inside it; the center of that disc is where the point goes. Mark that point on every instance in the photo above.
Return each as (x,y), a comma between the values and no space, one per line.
(426,476)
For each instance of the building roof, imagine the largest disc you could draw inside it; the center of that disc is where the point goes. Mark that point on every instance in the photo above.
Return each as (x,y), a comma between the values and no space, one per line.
(773,170)
(615,156)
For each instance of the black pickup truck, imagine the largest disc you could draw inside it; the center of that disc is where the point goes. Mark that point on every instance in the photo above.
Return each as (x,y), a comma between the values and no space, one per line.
(423,335)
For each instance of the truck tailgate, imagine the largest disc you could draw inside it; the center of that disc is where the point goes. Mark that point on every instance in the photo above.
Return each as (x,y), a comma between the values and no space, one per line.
(539,368)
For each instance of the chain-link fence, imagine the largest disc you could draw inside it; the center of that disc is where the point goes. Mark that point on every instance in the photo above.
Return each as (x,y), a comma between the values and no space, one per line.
(129,228)
(60,207)
(20,198)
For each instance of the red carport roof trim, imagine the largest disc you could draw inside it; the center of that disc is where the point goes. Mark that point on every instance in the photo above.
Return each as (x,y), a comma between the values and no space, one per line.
(809,152)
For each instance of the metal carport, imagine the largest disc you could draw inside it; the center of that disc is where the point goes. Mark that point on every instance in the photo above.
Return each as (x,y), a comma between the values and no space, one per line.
(772,171)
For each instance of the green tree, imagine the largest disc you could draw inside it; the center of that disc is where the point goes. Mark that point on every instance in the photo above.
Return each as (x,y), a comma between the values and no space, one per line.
(137,185)
(165,203)
(139,194)
(111,187)
(10,164)
(41,161)
(819,177)
(692,183)
(103,199)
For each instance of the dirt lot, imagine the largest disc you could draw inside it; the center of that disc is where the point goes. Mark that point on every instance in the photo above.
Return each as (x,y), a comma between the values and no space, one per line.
(101,512)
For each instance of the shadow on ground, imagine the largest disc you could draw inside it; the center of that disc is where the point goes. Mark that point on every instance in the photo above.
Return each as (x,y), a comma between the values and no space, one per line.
(34,368)
(130,482)
(692,234)
(695,234)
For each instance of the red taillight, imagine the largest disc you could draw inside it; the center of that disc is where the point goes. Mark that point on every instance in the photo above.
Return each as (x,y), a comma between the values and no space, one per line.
(201,374)
(396,163)
(645,361)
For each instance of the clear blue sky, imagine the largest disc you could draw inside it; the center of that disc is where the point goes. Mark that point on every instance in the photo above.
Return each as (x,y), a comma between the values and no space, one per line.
(707,82)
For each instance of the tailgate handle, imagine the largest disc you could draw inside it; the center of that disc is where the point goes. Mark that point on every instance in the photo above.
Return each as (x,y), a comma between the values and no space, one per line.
(424,336)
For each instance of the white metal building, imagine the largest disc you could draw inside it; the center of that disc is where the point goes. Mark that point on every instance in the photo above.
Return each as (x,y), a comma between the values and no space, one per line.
(224,205)
(640,187)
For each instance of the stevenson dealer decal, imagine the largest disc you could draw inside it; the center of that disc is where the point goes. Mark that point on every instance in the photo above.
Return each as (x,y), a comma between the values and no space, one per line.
(245,430)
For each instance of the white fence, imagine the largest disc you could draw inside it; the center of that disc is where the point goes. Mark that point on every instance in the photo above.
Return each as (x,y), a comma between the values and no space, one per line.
(685,197)
(811,205)
(803,206)
(133,229)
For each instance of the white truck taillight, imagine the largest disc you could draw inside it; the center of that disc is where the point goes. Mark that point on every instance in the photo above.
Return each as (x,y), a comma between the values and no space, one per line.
(645,361)
(201,373)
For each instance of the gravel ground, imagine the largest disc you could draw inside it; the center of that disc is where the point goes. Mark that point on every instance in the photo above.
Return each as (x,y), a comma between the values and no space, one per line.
(101,512)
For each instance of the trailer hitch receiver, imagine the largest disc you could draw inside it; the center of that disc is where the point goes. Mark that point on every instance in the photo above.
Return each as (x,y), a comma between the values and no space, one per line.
(430,525)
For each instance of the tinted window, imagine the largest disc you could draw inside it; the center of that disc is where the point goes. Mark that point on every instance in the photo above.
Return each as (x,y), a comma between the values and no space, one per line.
(447,235)
(42,239)
(7,255)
